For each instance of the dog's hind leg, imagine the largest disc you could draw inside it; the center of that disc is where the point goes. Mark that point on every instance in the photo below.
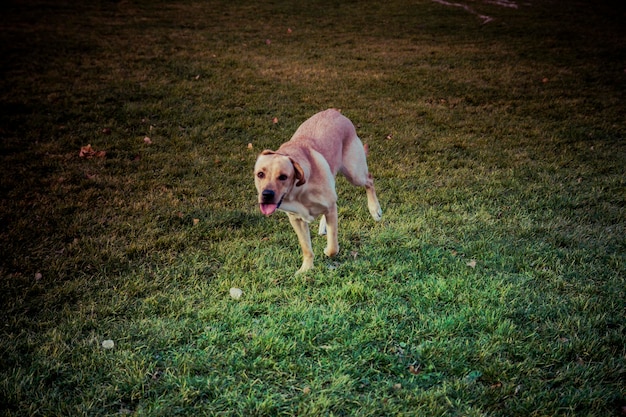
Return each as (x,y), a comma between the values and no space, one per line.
(356,172)
(322,229)
(332,246)
(372,201)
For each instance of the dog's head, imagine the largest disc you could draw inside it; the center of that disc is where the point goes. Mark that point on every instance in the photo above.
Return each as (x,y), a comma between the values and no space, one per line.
(275,175)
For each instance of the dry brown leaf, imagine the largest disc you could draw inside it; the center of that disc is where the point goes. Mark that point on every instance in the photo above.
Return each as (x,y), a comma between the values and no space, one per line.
(89,152)
(414,369)
(472,263)
(86,151)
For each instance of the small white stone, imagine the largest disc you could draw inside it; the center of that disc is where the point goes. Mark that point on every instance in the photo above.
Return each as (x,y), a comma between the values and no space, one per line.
(235,293)
(108,344)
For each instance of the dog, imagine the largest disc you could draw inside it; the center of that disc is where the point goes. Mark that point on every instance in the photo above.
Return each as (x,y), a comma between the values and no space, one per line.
(299,178)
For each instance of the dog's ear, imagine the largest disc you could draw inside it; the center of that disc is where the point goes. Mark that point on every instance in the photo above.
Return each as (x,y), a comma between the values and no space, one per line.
(267,152)
(299,173)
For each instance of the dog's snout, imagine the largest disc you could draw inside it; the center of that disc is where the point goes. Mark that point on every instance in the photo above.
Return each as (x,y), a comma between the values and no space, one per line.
(268,195)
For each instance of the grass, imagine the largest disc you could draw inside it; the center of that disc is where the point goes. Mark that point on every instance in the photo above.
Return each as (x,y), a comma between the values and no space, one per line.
(494,286)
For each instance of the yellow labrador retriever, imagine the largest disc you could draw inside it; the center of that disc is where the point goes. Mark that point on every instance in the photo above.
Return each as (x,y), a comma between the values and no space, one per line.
(299,178)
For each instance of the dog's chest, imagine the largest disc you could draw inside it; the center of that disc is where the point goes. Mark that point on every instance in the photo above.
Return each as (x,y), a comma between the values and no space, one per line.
(300,211)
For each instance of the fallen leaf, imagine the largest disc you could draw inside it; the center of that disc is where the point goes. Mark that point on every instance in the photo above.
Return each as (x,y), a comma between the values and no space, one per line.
(306,390)
(545,80)
(397,386)
(268,41)
(289,30)
(147,140)
(354,254)
(196,221)
(496,385)
(89,152)
(38,276)
(250,146)
(415,369)
(275,120)
(472,263)
(86,151)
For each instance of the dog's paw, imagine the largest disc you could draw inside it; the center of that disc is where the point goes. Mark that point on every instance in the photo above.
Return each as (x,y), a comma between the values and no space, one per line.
(330,252)
(306,266)
(377,213)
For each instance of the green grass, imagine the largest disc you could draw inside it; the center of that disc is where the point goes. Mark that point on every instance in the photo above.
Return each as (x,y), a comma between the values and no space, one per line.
(494,286)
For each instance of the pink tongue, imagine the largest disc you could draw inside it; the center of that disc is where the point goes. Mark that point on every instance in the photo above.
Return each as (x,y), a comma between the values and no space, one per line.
(268,209)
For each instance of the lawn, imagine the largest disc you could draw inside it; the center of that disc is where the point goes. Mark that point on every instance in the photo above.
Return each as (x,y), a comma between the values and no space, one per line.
(495,285)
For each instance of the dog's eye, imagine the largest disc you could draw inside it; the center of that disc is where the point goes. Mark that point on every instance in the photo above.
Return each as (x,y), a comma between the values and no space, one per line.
(260,175)
(282,177)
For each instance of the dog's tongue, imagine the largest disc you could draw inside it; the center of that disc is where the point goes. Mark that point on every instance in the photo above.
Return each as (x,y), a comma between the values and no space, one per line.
(268,209)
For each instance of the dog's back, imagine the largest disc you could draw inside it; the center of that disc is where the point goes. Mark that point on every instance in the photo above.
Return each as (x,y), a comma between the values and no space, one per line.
(328,133)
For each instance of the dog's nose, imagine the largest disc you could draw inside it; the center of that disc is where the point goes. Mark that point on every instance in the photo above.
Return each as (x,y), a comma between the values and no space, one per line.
(268,195)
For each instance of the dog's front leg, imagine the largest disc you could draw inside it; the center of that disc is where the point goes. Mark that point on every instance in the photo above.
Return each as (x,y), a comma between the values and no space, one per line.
(332,246)
(304,237)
